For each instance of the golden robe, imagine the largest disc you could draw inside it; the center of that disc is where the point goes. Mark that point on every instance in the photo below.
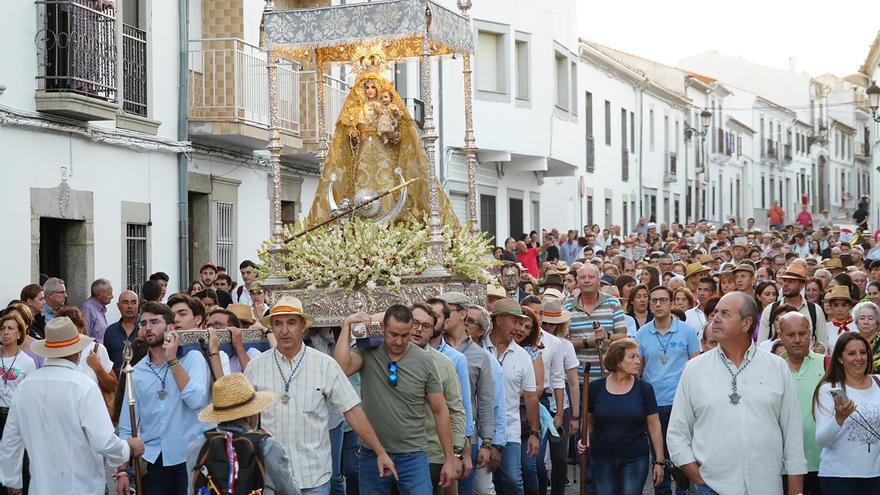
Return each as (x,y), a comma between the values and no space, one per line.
(368,163)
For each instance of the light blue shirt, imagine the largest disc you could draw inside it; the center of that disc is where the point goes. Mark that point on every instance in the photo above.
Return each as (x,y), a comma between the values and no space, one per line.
(48,313)
(168,426)
(680,342)
(461,369)
(499,415)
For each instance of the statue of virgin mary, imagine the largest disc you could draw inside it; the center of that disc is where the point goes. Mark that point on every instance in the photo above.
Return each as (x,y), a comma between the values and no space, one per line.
(376,147)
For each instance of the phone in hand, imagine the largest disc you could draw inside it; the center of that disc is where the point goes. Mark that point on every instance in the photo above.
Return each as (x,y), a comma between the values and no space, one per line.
(839,396)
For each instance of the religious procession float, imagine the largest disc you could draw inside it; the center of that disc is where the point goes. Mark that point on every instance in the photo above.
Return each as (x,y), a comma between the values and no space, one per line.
(381,229)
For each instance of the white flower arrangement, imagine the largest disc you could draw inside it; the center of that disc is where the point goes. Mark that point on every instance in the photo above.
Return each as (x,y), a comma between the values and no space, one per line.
(362,254)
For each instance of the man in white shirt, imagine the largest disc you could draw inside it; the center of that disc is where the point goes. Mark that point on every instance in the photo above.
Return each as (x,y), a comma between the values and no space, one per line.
(60,418)
(242,294)
(736,421)
(519,381)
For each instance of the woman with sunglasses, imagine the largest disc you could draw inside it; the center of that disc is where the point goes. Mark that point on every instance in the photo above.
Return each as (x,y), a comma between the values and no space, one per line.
(846,405)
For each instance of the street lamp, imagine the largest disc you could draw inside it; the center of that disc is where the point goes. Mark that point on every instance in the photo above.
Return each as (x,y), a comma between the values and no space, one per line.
(705,122)
(873,93)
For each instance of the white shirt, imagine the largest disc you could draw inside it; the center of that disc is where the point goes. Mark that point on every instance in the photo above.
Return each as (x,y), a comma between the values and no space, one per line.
(301,425)
(631,328)
(59,417)
(235,362)
(519,376)
(103,358)
(742,448)
(554,373)
(14,370)
(696,319)
(245,296)
(834,333)
(569,361)
(849,451)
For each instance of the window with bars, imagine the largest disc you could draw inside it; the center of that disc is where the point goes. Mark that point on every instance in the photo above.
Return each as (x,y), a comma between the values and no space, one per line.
(225,235)
(135,256)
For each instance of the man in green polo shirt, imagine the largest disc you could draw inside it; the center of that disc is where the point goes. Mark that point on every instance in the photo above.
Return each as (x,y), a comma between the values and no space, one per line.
(807,369)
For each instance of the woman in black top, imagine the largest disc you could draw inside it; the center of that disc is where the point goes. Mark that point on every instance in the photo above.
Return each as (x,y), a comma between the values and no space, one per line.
(621,415)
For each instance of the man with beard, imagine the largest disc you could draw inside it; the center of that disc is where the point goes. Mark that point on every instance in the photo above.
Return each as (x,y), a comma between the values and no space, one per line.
(170,393)
(793,282)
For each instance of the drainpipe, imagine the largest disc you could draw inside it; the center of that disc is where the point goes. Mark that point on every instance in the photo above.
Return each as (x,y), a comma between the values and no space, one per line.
(183,135)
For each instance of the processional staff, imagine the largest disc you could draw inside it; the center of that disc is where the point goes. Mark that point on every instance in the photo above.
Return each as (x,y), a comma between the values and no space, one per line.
(127,369)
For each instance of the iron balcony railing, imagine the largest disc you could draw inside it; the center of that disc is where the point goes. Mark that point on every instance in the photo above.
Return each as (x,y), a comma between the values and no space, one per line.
(335,91)
(134,70)
(671,166)
(76,46)
(771,149)
(228,81)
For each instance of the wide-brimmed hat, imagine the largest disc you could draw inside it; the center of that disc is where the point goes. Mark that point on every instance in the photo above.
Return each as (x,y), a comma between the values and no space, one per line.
(705,258)
(553,312)
(553,279)
(242,312)
(795,272)
(552,294)
(493,290)
(832,264)
(235,398)
(839,293)
(62,339)
(695,269)
(742,242)
(562,267)
(287,305)
(508,306)
(744,267)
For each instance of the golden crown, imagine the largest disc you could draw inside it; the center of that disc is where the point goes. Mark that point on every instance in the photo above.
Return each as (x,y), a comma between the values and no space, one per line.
(369,58)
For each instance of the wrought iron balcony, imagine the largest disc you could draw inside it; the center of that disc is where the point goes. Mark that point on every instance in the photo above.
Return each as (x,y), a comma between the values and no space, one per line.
(671,172)
(134,70)
(335,92)
(770,149)
(76,46)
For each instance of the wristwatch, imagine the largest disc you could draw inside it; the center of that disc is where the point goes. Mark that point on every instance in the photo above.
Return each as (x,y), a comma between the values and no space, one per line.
(586,342)
(457,452)
(536,433)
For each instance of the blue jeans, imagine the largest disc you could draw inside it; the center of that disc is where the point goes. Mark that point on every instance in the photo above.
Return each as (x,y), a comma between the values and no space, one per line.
(508,477)
(529,467)
(665,487)
(414,475)
(337,481)
(350,462)
(165,480)
(705,490)
(841,486)
(466,486)
(318,490)
(620,476)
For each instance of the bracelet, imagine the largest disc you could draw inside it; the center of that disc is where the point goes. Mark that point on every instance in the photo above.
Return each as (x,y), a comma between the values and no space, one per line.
(172,362)
(120,474)
(213,353)
(660,463)
(486,446)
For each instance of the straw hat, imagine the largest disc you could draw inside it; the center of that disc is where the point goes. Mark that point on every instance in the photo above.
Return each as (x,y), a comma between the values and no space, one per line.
(744,267)
(562,267)
(706,258)
(839,293)
(795,272)
(553,312)
(243,312)
(62,339)
(695,269)
(235,398)
(287,305)
(493,290)
(552,294)
(832,264)
(507,306)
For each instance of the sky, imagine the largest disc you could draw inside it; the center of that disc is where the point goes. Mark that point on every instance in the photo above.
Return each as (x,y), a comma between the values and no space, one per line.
(822,36)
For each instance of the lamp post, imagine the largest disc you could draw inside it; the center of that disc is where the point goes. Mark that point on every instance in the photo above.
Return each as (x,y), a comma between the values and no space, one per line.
(705,122)
(873,93)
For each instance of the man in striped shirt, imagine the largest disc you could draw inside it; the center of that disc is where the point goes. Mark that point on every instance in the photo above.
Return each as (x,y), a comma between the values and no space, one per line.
(588,307)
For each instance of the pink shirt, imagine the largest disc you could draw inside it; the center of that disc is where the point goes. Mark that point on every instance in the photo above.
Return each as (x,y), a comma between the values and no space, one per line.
(529,261)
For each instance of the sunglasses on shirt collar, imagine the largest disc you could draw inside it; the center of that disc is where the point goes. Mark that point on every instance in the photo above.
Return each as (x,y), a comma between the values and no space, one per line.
(392,373)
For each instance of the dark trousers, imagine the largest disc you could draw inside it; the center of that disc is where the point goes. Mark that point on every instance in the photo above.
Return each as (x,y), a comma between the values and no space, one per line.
(665,487)
(558,457)
(350,462)
(165,480)
(849,486)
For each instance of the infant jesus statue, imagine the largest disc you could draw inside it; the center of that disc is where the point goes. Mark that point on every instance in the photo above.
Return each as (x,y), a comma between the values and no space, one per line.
(389,118)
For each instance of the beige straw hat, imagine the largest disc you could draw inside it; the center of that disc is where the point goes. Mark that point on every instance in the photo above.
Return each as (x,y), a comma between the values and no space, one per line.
(62,339)
(235,398)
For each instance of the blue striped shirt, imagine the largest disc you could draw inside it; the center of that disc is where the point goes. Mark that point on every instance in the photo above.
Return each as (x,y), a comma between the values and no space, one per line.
(607,312)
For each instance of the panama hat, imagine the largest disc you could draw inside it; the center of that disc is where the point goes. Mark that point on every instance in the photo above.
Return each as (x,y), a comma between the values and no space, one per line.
(62,339)
(695,269)
(839,293)
(508,306)
(562,267)
(552,293)
(235,398)
(287,305)
(553,312)
(744,267)
(493,290)
(243,312)
(832,264)
(795,272)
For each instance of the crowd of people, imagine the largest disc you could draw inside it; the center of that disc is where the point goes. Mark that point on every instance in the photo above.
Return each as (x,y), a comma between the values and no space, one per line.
(716,359)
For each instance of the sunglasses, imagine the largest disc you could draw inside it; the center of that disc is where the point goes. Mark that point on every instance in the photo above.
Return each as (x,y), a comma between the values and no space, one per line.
(392,373)
(472,321)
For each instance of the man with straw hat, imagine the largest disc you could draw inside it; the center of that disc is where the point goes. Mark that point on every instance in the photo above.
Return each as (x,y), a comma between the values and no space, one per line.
(693,273)
(840,320)
(794,279)
(236,410)
(60,418)
(308,382)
